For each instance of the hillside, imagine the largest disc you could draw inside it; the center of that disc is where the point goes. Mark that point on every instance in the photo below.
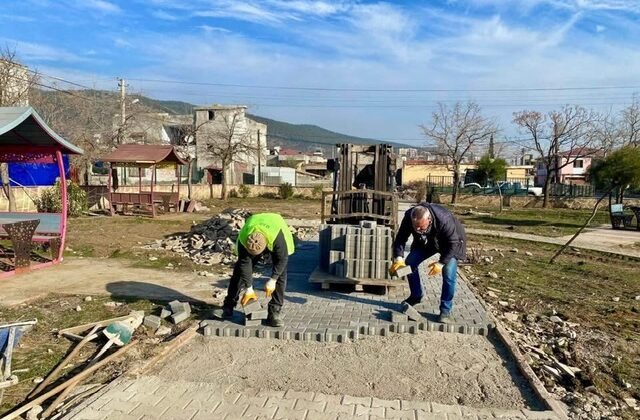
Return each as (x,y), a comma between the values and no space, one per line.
(304,137)
(295,136)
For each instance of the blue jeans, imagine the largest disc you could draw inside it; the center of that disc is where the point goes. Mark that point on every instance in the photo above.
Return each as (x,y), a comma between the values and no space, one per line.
(449,278)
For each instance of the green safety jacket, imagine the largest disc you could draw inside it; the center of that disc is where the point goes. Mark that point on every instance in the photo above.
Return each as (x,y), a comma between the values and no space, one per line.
(270,225)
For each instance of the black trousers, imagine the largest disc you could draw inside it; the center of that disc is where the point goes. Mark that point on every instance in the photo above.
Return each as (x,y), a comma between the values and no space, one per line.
(242,278)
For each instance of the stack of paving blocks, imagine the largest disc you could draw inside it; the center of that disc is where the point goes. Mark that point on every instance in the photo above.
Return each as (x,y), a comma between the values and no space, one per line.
(358,252)
(254,314)
(179,311)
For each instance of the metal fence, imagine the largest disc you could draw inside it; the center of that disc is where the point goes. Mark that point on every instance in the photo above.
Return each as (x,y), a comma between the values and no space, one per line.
(507,187)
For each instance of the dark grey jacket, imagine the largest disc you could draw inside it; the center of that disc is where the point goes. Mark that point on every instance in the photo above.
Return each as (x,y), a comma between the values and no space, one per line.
(446,235)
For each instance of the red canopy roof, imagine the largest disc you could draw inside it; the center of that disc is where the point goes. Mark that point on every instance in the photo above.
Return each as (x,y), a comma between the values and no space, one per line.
(144,154)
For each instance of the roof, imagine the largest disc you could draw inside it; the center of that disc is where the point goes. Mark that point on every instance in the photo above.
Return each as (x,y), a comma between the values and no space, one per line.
(22,130)
(582,152)
(289,152)
(219,107)
(144,154)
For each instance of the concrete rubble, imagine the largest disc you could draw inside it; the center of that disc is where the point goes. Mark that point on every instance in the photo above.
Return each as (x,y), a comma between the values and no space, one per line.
(212,242)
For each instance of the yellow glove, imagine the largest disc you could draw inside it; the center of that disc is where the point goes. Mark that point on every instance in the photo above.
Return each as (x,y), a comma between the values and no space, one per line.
(397,265)
(435,268)
(249,296)
(270,287)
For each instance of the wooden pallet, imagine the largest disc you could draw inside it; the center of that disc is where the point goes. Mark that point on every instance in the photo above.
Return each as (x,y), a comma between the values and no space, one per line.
(326,280)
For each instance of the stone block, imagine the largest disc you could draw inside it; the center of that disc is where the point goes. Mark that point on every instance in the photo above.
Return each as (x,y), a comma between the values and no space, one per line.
(398,317)
(253,306)
(153,322)
(179,317)
(404,271)
(411,312)
(165,313)
(260,314)
(178,307)
(208,331)
(252,322)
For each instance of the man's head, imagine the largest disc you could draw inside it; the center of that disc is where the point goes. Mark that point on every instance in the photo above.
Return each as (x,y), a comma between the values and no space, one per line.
(420,219)
(256,243)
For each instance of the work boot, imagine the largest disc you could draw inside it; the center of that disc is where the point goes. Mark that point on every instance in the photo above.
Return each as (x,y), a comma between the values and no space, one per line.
(274,319)
(444,318)
(412,300)
(224,313)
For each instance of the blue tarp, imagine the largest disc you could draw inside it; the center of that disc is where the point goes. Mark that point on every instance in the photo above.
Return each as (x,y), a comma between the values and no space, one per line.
(36,174)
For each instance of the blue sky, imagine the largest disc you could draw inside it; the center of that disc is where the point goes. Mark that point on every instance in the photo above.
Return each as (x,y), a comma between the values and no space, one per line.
(382,66)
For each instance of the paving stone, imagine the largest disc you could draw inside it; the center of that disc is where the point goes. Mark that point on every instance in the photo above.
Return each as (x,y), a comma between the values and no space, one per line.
(377,402)
(315,415)
(252,322)
(411,312)
(253,306)
(364,401)
(280,402)
(259,314)
(394,413)
(178,307)
(152,322)
(177,318)
(425,415)
(539,415)
(289,414)
(337,409)
(362,410)
(398,317)
(442,408)
(165,313)
(91,414)
(310,405)
(255,411)
(122,406)
(415,405)
(226,409)
(298,395)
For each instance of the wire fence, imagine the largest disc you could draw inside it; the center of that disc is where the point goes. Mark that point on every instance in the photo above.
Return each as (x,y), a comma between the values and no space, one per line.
(508,187)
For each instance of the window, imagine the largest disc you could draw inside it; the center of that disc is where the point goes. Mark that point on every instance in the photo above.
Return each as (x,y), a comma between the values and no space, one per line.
(578,163)
(133,171)
(211,114)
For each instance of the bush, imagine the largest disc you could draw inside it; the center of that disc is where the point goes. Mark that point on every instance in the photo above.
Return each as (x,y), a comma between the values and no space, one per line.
(285,191)
(316,192)
(244,191)
(268,195)
(50,200)
(233,193)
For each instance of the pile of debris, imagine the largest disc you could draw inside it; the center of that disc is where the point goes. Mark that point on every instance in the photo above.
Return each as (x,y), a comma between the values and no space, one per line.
(550,345)
(176,311)
(212,241)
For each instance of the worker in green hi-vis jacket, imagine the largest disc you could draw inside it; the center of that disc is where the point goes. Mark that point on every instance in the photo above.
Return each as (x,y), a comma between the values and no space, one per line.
(264,232)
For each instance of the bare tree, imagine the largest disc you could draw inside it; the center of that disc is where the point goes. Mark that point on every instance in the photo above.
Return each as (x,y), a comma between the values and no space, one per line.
(456,131)
(15,83)
(569,130)
(630,124)
(227,141)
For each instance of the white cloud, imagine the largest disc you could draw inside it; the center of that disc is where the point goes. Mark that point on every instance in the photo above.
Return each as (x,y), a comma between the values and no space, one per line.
(600,28)
(102,6)
(163,15)
(209,29)
(30,51)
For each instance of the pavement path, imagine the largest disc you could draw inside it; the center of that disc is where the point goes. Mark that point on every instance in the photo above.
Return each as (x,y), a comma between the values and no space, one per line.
(617,242)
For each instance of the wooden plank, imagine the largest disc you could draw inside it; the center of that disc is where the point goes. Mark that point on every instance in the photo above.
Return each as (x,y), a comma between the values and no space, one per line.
(81,328)
(319,276)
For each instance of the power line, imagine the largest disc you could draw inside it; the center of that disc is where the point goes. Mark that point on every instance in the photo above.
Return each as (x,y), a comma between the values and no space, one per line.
(311,88)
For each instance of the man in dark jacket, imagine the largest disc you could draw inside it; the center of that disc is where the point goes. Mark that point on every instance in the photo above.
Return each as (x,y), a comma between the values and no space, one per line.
(434,229)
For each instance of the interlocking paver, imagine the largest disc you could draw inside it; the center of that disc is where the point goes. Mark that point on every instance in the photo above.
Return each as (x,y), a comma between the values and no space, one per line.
(226,409)
(442,408)
(289,413)
(364,401)
(377,402)
(362,410)
(314,415)
(392,413)
(255,411)
(310,405)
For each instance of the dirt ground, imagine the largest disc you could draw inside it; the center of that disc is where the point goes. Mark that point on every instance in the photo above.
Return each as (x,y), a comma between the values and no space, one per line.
(438,367)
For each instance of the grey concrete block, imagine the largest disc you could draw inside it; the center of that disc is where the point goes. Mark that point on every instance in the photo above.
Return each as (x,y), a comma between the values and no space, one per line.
(208,331)
(165,313)
(177,307)
(252,322)
(404,271)
(152,322)
(252,307)
(411,312)
(368,224)
(398,317)
(261,314)
(179,317)
(206,322)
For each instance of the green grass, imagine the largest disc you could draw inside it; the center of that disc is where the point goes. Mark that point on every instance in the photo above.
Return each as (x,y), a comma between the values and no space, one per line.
(544,222)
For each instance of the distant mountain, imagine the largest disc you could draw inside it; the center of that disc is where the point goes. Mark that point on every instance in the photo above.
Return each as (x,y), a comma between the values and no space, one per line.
(303,137)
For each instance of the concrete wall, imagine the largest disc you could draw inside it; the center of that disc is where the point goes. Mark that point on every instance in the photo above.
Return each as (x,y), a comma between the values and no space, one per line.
(96,194)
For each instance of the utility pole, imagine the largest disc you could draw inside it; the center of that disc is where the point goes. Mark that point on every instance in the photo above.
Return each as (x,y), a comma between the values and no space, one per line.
(259,166)
(122,85)
(491,152)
